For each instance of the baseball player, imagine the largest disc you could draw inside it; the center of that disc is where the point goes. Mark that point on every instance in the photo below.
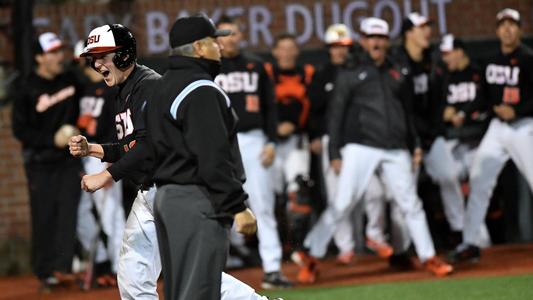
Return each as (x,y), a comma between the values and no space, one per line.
(112,50)
(508,90)
(44,115)
(338,41)
(290,170)
(450,158)
(375,136)
(245,81)
(96,113)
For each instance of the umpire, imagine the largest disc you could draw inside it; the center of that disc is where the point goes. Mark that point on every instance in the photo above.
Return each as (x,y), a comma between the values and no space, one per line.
(198,168)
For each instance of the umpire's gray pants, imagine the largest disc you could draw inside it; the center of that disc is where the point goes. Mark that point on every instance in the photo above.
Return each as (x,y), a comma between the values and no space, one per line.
(193,245)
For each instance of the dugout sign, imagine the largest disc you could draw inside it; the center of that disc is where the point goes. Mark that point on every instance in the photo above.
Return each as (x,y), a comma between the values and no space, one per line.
(308,20)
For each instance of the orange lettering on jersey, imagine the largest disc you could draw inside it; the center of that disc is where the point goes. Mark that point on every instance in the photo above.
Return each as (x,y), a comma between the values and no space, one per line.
(511,95)
(252,103)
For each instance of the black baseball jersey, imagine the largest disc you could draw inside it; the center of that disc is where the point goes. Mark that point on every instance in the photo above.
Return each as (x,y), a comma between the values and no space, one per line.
(250,90)
(509,80)
(97,111)
(460,89)
(40,108)
(320,93)
(420,73)
(291,93)
(130,128)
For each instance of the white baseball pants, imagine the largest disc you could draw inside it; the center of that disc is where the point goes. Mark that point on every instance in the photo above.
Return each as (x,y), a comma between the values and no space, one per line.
(140,262)
(502,141)
(358,165)
(261,199)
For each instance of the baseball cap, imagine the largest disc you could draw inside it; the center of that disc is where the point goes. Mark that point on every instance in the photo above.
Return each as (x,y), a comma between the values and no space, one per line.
(189,29)
(48,42)
(508,14)
(374,26)
(449,43)
(338,34)
(414,19)
(101,40)
(78,49)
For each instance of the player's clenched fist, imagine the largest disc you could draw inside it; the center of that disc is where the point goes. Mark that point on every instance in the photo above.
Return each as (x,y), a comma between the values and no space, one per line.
(245,222)
(78,146)
(92,183)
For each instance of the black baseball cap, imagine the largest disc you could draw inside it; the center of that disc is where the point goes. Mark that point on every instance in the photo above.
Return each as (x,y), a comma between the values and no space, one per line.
(189,29)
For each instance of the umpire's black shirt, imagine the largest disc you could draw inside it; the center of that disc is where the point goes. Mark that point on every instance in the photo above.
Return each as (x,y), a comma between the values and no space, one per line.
(195,140)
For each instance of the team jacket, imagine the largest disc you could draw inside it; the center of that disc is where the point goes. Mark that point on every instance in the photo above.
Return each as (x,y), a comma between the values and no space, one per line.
(508,79)
(130,127)
(195,138)
(370,106)
(424,109)
(40,108)
(460,89)
(97,113)
(290,86)
(247,84)
(320,93)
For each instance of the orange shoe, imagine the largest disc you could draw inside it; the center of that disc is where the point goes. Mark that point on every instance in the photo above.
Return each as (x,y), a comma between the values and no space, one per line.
(308,272)
(345,258)
(438,267)
(382,249)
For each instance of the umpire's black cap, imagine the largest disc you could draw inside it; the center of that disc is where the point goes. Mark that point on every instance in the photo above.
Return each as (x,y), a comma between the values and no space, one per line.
(189,29)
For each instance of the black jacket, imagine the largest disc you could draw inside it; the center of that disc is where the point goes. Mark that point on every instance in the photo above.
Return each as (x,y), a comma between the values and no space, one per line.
(371,106)
(40,108)
(196,142)
(250,89)
(129,121)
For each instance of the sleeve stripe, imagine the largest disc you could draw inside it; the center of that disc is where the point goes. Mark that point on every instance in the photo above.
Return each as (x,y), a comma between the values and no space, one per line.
(191,87)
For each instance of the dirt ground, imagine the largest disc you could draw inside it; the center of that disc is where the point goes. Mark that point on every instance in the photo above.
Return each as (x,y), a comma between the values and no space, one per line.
(496,261)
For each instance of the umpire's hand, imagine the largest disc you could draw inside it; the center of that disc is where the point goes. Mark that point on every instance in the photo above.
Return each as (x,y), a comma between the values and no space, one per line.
(246,222)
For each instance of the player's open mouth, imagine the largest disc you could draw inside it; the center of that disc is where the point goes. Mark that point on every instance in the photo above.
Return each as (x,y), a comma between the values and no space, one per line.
(105,73)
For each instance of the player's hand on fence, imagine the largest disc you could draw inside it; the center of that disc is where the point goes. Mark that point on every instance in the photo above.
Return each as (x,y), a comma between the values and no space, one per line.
(268,154)
(316,146)
(336,165)
(505,112)
(92,183)
(245,222)
(63,135)
(285,129)
(458,119)
(417,158)
(78,146)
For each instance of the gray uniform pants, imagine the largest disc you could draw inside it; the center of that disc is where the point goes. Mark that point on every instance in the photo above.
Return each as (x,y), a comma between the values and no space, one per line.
(192,244)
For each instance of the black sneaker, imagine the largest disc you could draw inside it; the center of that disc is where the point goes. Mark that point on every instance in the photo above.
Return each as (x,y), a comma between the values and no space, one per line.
(465,252)
(401,261)
(275,280)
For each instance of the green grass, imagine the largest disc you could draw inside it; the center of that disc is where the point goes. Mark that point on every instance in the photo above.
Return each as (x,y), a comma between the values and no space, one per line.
(492,288)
